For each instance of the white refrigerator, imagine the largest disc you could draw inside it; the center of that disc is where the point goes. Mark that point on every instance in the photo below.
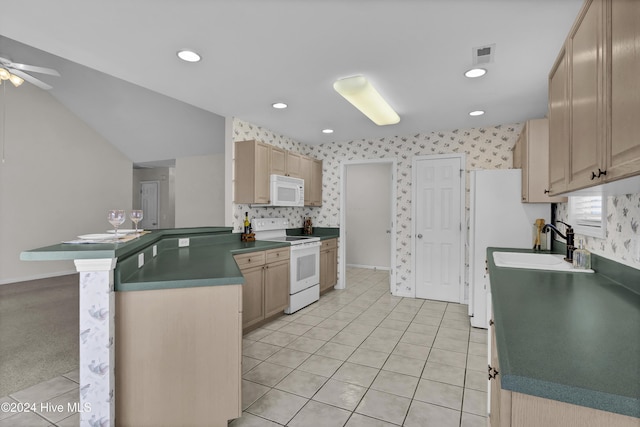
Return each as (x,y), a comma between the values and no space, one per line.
(497,218)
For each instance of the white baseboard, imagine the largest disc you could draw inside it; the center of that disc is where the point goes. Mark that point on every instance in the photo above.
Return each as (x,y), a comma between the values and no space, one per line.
(368,267)
(36,277)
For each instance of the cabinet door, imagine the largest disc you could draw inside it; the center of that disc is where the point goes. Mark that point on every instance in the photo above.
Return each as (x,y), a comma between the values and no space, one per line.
(261,166)
(306,165)
(535,163)
(520,160)
(500,414)
(294,165)
(558,125)
(324,270)
(623,149)
(252,296)
(278,161)
(332,267)
(316,183)
(276,287)
(587,133)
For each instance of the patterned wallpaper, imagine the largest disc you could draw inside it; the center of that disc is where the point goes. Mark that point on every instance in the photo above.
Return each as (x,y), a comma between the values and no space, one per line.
(485,148)
(243,131)
(623,216)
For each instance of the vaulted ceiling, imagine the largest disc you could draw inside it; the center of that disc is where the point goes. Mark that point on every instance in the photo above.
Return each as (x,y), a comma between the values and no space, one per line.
(121,75)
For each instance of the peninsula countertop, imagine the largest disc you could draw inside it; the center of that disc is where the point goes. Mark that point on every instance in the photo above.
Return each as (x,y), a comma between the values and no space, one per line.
(571,337)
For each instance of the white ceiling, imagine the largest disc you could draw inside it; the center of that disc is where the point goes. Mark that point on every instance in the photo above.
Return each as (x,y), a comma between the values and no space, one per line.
(256,52)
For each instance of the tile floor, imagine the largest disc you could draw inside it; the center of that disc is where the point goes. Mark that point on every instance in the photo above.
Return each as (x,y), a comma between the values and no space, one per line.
(361,357)
(357,357)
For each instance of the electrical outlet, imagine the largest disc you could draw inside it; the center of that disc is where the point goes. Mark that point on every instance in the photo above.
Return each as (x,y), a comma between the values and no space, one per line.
(183,242)
(155,250)
(140,260)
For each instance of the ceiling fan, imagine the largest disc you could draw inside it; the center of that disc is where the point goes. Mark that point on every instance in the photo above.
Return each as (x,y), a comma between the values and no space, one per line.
(16,73)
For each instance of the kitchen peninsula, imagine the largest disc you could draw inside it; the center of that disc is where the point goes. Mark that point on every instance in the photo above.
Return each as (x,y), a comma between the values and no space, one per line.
(168,301)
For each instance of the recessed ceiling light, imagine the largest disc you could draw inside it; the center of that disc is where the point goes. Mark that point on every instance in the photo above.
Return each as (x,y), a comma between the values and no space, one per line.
(476,113)
(475,72)
(279,105)
(188,55)
(327,130)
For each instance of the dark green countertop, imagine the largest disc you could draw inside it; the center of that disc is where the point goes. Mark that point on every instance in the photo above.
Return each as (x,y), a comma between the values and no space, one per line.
(323,233)
(571,337)
(209,264)
(69,251)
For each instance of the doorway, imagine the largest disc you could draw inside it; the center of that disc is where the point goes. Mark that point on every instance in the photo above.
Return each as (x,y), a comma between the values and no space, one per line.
(150,204)
(438,214)
(367,217)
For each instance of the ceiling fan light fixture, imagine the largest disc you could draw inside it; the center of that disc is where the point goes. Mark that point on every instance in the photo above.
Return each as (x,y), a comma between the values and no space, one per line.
(4,74)
(475,72)
(17,81)
(189,55)
(362,95)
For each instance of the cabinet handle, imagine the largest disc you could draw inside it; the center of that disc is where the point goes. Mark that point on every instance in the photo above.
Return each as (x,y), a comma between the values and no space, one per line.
(491,322)
(248,259)
(593,175)
(546,191)
(600,173)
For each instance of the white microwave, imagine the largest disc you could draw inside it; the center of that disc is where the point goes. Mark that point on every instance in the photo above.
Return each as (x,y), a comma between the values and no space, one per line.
(286,191)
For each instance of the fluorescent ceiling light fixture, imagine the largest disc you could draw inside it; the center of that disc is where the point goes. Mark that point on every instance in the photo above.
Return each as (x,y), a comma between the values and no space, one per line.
(476,113)
(362,95)
(327,131)
(279,105)
(188,55)
(475,72)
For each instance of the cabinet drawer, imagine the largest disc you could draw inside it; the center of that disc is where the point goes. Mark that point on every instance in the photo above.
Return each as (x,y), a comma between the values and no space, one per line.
(252,259)
(329,244)
(279,254)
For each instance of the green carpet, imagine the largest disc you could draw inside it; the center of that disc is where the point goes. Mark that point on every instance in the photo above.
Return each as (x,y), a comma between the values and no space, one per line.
(38,331)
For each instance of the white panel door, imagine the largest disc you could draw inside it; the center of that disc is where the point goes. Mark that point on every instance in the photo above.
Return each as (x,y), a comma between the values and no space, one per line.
(438,229)
(149,202)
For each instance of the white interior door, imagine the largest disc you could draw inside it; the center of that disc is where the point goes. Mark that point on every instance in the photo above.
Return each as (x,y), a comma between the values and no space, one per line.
(438,227)
(149,203)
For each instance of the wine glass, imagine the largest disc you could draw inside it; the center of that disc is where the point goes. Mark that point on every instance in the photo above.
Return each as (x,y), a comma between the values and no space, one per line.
(116,217)
(136,217)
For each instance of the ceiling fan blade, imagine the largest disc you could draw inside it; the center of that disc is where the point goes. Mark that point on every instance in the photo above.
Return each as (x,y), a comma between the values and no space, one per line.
(31,79)
(34,69)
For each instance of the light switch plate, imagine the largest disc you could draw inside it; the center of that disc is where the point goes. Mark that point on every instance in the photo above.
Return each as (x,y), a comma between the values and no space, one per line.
(140,260)
(183,242)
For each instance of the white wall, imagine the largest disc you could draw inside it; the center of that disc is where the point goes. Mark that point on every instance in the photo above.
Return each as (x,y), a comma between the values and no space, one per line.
(200,191)
(368,214)
(58,180)
(166,177)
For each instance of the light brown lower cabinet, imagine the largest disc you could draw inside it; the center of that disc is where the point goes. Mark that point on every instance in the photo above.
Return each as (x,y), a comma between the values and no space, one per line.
(265,292)
(513,409)
(178,355)
(328,264)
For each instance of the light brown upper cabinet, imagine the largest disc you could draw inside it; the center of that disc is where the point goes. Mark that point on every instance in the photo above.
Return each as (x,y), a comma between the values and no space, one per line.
(603,97)
(623,45)
(255,161)
(252,168)
(312,175)
(286,163)
(558,125)
(531,153)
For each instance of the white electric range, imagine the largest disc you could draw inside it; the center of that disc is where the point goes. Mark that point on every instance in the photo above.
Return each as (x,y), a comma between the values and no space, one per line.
(304,286)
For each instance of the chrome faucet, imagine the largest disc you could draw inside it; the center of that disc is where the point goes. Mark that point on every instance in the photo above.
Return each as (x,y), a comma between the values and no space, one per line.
(569,238)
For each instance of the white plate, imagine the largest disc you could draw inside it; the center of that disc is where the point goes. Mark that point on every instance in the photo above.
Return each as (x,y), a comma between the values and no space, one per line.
(96,236)
(123,231)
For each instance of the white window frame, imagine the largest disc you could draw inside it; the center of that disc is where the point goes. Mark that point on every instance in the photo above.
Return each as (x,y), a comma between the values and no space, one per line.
(584,226)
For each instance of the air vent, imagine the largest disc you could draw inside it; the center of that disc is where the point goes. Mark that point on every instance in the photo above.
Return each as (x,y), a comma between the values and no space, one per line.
(483,54)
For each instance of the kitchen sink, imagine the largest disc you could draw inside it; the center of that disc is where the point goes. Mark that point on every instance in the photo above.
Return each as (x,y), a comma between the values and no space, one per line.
(535,261)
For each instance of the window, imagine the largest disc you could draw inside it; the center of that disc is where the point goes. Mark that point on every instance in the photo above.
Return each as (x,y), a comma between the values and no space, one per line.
(588,215)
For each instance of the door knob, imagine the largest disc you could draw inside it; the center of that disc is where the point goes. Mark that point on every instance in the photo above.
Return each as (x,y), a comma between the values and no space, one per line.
(419,236)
